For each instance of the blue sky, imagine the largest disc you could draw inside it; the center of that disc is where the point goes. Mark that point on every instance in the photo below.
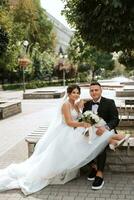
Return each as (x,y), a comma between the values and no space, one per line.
(54,7)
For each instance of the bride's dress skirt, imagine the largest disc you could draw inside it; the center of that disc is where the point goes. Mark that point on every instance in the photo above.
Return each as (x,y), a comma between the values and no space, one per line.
(56,155)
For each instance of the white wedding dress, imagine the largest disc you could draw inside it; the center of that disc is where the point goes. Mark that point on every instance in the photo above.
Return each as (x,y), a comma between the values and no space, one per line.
(61,150)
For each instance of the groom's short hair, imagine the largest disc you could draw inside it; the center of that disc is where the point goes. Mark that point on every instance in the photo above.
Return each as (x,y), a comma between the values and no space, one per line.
(95,83)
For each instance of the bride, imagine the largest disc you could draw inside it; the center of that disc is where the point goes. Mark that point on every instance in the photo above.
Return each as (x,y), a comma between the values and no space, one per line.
(60,151)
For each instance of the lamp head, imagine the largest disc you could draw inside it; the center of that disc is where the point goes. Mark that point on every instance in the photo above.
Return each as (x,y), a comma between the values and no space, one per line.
(25,43)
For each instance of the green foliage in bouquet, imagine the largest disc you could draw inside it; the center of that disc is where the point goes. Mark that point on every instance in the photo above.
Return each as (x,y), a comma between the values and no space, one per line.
(89,117)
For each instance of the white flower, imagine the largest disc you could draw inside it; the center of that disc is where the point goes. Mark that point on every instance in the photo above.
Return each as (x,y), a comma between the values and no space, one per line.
(89,117)
(95,117)
(87,113)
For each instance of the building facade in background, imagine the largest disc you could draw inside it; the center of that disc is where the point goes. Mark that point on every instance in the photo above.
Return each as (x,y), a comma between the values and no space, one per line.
(63,34)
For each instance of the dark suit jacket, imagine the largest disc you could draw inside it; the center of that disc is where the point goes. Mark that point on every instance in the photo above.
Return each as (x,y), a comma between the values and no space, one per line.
(106,110)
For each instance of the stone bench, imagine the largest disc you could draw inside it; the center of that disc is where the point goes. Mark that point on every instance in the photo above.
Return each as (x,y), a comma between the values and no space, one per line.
(33,137)
(120,160)
(10,108)
(126,116)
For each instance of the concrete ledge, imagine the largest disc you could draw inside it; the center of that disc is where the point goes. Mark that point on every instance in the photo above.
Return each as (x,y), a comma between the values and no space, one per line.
(43,95)
(10,108)
(122,160)
(126,123)
(128,83)
(126,116)
(125,93)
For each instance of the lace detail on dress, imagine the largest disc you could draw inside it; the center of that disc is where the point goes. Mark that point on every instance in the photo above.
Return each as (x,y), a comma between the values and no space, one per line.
(74,115)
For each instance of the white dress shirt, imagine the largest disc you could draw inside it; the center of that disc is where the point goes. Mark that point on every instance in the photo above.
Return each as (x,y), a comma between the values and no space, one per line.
(95,106)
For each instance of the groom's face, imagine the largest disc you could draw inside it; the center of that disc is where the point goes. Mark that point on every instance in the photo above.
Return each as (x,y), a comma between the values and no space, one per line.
(95,92)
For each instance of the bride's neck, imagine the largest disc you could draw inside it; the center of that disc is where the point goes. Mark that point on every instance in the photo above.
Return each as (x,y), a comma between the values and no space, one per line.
(72,102)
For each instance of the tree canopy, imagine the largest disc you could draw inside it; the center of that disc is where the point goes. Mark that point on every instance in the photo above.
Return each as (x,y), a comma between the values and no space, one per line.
(26,20)
(36,26)
(106,24)
(88,57)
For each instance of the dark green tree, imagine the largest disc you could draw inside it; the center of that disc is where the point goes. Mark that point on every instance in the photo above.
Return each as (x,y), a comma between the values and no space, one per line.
(3,41)
(3,3)
(106,24)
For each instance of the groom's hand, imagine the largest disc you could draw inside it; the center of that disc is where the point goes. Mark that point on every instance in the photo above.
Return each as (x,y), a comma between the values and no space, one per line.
(100,130)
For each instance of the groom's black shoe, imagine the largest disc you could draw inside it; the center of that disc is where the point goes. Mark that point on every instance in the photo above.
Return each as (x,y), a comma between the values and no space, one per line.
(98,183)
(92,175)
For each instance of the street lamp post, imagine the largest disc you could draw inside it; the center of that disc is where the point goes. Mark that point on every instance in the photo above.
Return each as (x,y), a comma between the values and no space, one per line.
(23,62)
(25,44)
(63,68)
(23,75)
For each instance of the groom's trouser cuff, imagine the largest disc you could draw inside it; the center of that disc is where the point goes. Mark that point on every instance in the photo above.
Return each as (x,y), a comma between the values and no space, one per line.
(101,160)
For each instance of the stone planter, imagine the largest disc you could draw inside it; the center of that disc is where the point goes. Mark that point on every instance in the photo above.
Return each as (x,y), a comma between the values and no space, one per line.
(10,108)
(43,95)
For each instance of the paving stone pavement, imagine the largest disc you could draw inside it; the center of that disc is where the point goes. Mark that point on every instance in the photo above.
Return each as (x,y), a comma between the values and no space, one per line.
(117,186)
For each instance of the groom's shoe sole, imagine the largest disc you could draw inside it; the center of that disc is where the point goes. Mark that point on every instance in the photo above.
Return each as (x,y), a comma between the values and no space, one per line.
(90,179)
(98,187)
(98,183)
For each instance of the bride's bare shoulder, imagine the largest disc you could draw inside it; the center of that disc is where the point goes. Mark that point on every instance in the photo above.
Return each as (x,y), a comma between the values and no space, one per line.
(65,105)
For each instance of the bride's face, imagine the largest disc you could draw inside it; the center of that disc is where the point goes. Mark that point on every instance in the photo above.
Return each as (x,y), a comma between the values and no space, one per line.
(74,95)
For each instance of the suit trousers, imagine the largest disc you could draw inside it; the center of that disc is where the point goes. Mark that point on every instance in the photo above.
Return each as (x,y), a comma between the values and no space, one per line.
(100,160)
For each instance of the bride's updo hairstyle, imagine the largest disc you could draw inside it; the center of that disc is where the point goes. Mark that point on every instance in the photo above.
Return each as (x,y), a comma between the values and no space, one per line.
(73,87)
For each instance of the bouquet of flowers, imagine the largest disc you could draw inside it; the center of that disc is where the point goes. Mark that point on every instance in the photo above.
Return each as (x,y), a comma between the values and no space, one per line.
(94,120)
(89,117)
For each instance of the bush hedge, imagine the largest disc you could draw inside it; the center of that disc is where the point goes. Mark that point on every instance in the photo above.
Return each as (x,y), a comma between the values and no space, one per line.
(35,84)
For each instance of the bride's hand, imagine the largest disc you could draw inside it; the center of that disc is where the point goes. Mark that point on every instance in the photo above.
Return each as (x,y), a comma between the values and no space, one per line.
(86,125)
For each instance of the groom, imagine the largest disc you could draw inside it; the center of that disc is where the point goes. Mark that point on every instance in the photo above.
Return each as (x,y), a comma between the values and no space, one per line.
(107,110)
